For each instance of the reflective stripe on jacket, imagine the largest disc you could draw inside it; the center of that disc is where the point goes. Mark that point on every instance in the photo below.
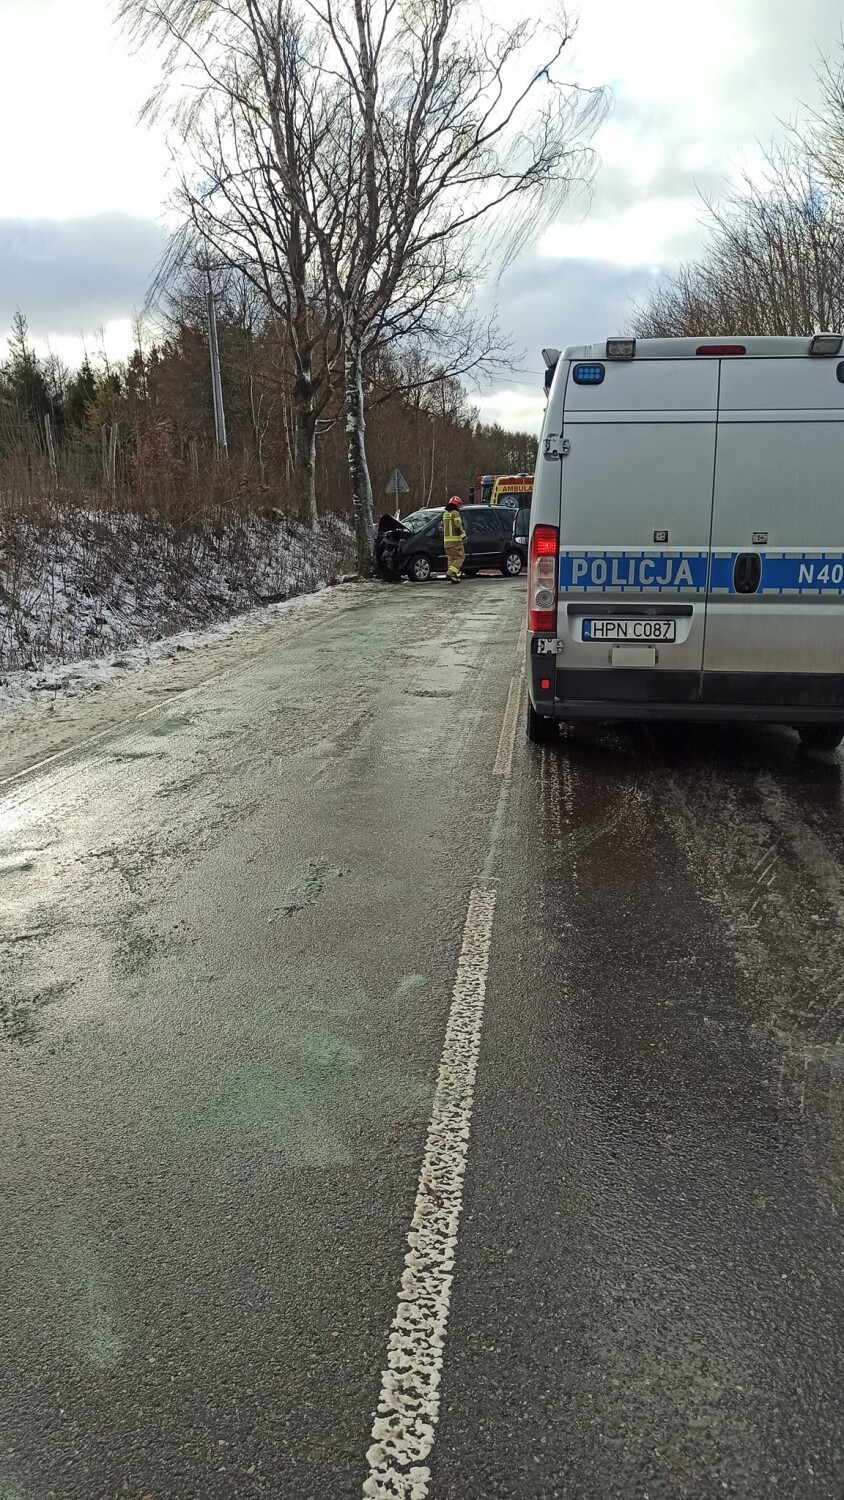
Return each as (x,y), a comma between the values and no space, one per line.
(452,527)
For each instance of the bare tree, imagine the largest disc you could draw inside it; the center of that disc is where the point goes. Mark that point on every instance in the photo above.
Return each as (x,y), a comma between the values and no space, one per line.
(238,213)
(773,261)
(819,132)
(448,131)
(392,143)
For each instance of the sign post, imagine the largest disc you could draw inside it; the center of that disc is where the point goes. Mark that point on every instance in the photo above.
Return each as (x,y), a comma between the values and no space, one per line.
(397,485)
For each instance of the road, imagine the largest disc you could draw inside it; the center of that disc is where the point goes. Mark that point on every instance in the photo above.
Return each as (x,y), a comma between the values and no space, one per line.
(321,955)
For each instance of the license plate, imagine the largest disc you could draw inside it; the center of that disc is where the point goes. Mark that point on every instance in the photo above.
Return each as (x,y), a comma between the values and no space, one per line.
(639,631)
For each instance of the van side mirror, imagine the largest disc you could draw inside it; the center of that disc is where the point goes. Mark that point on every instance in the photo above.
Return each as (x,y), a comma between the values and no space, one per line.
(550,359)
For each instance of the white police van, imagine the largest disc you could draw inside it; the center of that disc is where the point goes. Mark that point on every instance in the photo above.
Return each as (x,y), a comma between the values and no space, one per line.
(686,556)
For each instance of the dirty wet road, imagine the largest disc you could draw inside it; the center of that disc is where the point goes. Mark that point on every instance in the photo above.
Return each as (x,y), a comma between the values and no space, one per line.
(229,938)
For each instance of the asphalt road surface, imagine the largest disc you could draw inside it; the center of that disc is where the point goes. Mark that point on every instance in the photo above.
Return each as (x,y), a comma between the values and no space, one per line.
(329,1006)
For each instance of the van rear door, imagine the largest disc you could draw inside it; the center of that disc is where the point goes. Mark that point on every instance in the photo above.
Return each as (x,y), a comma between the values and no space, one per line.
(775,619)
(635,516)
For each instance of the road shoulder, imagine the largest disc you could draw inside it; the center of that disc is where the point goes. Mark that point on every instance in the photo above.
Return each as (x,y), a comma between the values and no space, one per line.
(85,700)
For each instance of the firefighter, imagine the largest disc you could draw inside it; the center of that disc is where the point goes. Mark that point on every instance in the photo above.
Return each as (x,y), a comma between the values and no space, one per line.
(454,536)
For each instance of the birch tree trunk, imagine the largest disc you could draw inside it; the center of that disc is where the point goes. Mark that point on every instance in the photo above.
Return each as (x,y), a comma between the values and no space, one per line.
(356,450)
(305,471)
(305,399)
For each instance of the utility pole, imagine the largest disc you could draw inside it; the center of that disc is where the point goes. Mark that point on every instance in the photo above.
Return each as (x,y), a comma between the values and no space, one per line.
(216,381)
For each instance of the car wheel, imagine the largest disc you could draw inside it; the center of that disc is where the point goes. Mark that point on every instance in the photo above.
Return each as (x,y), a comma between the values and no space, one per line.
(419,568)
(512,564)
(821,736)
(540,730)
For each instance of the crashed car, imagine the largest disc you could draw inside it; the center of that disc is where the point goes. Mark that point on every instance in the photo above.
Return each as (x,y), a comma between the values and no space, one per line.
(388,537)
(413,547)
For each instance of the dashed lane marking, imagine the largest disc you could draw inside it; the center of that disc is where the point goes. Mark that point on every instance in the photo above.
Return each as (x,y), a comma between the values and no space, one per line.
(405,1424)
(506,744)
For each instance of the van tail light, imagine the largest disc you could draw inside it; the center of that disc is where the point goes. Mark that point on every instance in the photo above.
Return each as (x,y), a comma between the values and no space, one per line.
(542,578)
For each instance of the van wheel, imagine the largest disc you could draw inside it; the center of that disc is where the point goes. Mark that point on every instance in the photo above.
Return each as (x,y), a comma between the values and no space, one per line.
(821,736)
(540,730)
(419,568)
(511,564)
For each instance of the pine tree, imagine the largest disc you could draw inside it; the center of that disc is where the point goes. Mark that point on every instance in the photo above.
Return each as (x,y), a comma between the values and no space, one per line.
(82,394)
(24,379)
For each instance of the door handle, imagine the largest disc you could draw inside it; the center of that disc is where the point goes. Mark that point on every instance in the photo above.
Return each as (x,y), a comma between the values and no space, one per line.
(747,573)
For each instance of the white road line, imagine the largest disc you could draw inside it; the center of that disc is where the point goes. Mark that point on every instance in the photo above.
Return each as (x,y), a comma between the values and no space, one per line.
(504,759)
(408,1410)
(409,1405)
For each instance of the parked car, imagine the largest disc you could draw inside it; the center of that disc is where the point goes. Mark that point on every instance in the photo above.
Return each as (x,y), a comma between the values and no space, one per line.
(521,531)
(420,552)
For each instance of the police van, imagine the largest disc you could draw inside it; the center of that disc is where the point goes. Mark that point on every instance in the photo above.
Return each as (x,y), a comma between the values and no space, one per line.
(686,554)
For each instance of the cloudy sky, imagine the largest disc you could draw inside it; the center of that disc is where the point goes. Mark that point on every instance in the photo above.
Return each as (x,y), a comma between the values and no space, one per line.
(697,84)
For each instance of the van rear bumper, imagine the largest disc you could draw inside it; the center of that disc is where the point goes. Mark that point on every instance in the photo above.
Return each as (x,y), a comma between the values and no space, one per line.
(725,697)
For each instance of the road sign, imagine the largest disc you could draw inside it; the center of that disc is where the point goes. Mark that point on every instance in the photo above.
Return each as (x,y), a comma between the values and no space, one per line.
(397,484)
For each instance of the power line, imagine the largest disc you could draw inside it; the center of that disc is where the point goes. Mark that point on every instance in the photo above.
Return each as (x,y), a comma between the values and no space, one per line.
(529,384)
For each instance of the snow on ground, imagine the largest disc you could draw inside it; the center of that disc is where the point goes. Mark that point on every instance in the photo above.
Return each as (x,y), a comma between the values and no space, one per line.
(105,613)
(65,680)
(85,584)
(69,680)
(43,714)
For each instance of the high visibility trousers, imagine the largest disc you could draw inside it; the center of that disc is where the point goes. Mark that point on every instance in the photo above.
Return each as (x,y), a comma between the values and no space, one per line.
(456,556)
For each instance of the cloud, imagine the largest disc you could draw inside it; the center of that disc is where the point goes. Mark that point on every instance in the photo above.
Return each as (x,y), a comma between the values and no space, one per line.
(512,409)
(784,46)
(550,302)
(678,174)
(698,94)
(71,275)
(70,96)
(695,89)
(546,300)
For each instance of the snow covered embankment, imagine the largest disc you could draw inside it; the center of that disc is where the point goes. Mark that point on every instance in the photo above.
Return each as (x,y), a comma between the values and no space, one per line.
(82,607)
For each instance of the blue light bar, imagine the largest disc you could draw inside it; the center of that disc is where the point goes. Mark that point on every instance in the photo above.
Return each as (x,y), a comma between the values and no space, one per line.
(588,374)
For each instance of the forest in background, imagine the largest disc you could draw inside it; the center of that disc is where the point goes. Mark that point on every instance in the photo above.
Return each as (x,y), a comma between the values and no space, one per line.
(120,517)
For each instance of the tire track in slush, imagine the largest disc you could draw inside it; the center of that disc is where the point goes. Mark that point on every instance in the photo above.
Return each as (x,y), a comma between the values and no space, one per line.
(776,882)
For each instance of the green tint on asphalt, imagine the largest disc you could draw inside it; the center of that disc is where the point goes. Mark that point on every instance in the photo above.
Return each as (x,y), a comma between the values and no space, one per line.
(281,1072)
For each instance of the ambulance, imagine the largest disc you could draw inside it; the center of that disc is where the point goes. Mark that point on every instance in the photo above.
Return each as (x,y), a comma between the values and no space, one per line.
(513,491)
(686,549)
